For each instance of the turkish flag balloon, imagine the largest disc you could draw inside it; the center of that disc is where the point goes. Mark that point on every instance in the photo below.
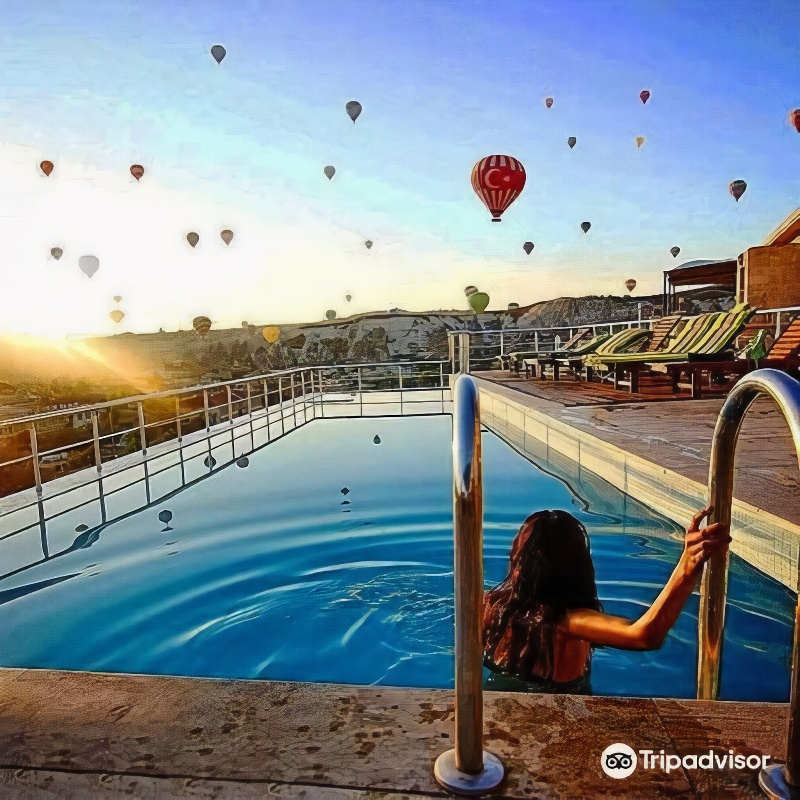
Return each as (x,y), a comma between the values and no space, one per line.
(498,181)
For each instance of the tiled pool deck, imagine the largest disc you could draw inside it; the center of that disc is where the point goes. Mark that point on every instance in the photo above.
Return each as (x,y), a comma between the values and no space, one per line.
(86,735)
(82,736)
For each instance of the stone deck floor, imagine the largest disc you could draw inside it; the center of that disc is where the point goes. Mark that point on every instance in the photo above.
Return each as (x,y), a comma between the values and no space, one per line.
(677,434)
(80,736)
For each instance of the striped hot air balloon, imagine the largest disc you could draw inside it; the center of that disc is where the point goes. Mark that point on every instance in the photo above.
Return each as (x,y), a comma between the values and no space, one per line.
(498,181)
(202,325)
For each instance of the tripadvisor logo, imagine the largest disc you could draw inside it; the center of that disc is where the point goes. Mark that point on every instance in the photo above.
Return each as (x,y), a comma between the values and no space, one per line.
(620,760)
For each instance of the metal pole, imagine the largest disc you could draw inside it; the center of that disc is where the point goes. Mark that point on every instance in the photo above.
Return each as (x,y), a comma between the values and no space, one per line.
(266,398)
(468,769)
(280,403)
(205,409)
(777,324)
(249,401)
(230,405)
(303,394)
(536,341)
(37,472)
(776,781)
(502,344)
(294,405)
(96,440)
(178,416)
(142,432)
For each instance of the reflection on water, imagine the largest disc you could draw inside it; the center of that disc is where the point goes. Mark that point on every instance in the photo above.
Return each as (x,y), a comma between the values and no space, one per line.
(265,573)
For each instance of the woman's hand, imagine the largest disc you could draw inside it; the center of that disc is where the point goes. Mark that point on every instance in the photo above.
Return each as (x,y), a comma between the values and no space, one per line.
(700,545)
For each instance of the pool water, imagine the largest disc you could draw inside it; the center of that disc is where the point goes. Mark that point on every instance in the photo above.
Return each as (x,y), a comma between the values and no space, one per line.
(329,558)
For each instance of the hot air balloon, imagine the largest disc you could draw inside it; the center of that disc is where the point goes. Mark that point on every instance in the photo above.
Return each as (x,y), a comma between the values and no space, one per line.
(794,118)
(353,109)
(639,141)
(737,189)
(512,306)
(630,284)
(210,462)
(218,52)
(202,325)
(46,167)
(528,247)
(470,290)
(117,298)
(478,302)
(345,491)
(348,297)
(548,101)
(89,265)
(56,252)
(498,181)
(192,238)
(585,226)
(675,251)
(644,95)
(137,170)
(368,244)
(165,516)
(227,236)
(376,440)
(329,171)
(243,462)
(272,333)
(572,141)
(117,315)
(330,314)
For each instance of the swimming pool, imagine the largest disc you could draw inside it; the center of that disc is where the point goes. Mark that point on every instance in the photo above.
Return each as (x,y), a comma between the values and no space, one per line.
(328,557)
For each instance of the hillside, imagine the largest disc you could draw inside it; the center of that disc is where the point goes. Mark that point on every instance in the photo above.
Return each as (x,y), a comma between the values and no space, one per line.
(134,363)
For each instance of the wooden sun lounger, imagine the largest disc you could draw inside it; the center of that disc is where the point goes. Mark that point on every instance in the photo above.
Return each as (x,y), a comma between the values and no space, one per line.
(783,355)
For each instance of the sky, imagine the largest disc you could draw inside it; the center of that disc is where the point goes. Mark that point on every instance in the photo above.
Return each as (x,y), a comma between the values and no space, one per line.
(96,86)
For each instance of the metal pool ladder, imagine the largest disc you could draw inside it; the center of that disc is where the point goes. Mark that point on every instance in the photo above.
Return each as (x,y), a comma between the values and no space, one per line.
(468,768)
(776,781)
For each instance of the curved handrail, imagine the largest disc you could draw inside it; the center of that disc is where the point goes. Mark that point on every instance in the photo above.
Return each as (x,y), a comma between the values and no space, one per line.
(468,768)
(785,391)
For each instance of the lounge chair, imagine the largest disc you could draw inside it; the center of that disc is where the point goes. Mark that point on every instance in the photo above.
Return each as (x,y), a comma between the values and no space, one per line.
(514,361)
(621,342)
(665,331)
(783,355)
(704,338)
(538,362)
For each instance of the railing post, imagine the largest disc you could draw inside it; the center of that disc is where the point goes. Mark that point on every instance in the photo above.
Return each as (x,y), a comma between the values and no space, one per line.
(230,404)
(205,409)
(777,324)
(37,472)
(96,441)
(280,402)
(502,344)
(266,398)
(536,341)
(178,416)
(303,394)
(142,431)
(441,375)
(468,768)
(294,405)
(249,401)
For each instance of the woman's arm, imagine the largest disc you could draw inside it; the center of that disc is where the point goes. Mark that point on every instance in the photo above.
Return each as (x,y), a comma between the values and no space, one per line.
(650,630)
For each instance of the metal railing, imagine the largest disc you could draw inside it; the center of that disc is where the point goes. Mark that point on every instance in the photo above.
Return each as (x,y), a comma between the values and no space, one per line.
(776,781)
(468,768)
(152,418)
(164,468)
(482,347)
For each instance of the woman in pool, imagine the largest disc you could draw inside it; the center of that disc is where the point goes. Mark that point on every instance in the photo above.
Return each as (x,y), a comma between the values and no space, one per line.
(541,622)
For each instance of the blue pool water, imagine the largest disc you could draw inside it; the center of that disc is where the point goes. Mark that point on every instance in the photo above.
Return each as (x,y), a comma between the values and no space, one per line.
(271,571)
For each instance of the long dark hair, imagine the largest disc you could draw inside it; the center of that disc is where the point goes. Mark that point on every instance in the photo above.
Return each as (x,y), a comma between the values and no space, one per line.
(549,572)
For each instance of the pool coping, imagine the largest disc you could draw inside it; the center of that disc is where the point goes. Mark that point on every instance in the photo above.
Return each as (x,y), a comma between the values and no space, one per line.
(84,735)
(768,542)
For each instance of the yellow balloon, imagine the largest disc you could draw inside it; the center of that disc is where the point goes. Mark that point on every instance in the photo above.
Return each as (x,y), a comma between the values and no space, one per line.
(272,333)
